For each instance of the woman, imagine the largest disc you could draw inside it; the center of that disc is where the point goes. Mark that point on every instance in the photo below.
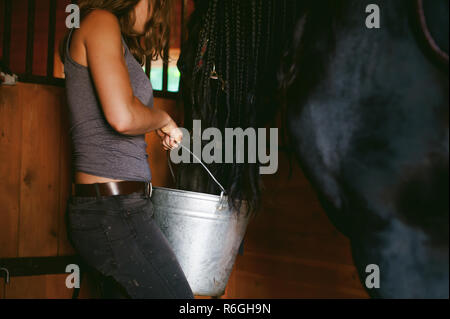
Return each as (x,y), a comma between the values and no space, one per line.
(111,109)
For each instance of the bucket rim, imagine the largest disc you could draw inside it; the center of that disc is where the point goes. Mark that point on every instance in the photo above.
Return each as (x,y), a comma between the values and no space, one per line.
(198,195)
(192,193)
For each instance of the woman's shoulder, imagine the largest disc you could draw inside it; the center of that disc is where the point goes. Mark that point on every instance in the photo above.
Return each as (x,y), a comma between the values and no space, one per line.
(100,22)
(99,31)
(100,17)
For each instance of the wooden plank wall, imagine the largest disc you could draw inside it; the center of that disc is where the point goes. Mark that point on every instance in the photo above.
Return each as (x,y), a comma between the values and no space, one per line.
(291,249)
(30,146)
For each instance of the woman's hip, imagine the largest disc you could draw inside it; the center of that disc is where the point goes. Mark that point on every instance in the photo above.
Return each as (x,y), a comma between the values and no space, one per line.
(96,225)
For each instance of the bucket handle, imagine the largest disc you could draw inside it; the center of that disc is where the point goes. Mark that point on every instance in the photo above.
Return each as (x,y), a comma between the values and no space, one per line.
(222,194)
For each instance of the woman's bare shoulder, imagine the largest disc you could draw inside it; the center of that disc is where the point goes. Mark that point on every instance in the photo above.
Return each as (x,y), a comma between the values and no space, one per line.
(100,23)
(98,17)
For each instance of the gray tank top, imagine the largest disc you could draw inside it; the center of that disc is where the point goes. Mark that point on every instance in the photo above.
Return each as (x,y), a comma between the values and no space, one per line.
(97,148)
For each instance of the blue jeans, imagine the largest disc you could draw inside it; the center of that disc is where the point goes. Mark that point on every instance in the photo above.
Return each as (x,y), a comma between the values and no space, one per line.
(118,237)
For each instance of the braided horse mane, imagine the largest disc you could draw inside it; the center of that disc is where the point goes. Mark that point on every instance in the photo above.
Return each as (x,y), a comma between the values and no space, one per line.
(228,77)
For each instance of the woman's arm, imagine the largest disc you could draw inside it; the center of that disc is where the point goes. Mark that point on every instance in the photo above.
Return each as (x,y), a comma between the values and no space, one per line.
(101,37)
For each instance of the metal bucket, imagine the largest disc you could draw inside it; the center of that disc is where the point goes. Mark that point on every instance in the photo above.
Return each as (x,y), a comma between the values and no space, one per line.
(204,232)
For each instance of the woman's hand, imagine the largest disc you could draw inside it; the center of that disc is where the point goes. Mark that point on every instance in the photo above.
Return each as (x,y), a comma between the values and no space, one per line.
(170,135)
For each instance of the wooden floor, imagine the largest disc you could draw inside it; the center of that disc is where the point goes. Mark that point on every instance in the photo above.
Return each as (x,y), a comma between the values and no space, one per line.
(291,249)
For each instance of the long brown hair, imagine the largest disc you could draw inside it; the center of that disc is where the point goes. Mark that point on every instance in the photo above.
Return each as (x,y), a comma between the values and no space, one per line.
(156,35)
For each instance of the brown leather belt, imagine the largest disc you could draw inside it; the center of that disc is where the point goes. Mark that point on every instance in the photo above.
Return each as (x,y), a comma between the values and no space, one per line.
(112,189)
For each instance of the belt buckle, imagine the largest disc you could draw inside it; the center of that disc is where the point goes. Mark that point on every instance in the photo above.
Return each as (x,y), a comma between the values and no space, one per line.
(148,190)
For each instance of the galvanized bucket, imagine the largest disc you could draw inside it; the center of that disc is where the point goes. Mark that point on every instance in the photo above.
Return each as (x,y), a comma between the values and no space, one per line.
(204,232)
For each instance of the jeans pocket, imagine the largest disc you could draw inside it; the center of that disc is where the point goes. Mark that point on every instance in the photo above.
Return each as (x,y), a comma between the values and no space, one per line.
(83,202)
(148,211)
(118,228)
(83,221)
(134,206)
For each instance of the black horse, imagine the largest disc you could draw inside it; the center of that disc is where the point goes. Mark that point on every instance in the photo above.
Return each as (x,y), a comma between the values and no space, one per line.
(367,112)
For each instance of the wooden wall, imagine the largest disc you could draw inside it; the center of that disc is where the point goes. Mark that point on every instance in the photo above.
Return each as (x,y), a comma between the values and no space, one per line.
(291,249)
(33,156)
